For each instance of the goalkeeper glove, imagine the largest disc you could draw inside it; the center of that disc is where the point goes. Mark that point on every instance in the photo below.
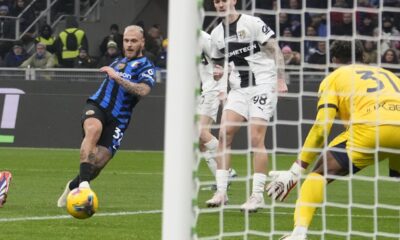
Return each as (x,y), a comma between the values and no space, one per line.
(283,181)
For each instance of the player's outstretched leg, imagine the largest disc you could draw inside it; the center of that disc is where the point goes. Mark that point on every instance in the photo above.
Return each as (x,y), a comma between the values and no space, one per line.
(5,179)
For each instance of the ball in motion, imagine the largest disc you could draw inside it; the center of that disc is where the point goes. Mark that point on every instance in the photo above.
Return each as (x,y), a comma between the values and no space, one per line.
(82,203)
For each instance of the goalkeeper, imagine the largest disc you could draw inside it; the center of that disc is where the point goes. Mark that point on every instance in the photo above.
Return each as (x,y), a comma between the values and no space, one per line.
(367,100)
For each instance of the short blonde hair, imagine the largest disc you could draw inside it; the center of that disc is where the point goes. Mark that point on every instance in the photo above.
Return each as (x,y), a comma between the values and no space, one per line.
(134,28)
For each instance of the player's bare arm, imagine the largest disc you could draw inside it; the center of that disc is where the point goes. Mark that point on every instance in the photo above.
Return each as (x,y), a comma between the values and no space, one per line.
(271,48)
(140,89)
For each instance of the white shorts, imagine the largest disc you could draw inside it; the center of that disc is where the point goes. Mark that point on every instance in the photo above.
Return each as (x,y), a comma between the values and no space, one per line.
(209,105)
(253,102)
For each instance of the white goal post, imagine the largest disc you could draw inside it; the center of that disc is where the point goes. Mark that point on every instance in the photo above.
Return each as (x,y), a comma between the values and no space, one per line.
(179,121)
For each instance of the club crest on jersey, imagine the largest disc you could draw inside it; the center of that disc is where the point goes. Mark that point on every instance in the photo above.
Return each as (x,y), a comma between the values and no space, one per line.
(241,34)
(121,66)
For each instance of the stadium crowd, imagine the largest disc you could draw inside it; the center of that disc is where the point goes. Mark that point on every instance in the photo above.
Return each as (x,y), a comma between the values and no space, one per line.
(370,23)
(288,25)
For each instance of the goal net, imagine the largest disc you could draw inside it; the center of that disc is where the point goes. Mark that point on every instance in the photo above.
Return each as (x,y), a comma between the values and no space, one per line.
(361,206)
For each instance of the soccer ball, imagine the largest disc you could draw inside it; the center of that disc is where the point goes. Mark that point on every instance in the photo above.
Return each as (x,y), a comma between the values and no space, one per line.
(82,203)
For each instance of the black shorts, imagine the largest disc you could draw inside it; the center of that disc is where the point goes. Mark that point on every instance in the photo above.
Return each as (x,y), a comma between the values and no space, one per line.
(340,154)
(113,131)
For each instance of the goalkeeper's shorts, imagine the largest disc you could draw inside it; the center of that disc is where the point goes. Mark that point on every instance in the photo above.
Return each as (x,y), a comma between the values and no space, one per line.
(364,145)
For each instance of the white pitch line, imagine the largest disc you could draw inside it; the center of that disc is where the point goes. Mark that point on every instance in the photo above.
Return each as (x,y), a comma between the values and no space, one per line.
(37,218)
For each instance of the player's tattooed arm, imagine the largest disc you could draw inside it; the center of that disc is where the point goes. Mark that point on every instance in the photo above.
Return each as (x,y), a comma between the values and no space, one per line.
(140,89)
(271,48)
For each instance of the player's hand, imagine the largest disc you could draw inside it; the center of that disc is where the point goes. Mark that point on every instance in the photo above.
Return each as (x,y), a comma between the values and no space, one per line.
(222,97)
(218,72)
(283,181)
(109,71)
(282,87)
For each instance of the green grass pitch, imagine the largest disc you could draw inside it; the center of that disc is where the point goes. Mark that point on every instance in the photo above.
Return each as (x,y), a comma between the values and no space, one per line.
(130,201)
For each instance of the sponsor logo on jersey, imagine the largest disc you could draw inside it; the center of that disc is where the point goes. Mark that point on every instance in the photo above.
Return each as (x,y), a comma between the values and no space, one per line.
(244,50)
(125,75)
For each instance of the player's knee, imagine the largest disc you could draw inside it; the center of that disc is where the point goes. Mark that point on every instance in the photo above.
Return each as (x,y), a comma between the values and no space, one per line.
(257,141)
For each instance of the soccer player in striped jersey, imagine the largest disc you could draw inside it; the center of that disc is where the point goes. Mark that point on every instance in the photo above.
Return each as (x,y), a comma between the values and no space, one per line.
(108,111)
(367,100)
(256,76)
(212,94)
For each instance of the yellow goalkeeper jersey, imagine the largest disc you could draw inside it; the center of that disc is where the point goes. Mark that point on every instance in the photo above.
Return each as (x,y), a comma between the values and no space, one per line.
(356,94)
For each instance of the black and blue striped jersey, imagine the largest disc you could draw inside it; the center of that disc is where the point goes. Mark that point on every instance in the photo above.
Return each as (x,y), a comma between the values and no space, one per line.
(113,98)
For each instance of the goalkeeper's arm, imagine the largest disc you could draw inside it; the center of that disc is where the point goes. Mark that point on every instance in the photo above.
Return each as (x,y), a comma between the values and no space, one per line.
(283,181)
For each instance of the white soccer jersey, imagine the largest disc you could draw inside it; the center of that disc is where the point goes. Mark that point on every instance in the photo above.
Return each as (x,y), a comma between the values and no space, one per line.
(242,43)
(206,67)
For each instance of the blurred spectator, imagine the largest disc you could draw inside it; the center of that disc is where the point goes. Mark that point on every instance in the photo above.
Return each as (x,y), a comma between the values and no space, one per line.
(114,36)
(162,57)
(388,30)
(342,4)
(69,41)
(6,31)
(16,56)
(318,21)
(7,3)
(345,27)
(111,54)
(390,57)
(84,60)
(153,40)
(26,18)
(295,4)
(367,26)
(290,57)
(365,3)
(40,59)
(295,24)
(391,3)
(311,32)
(319,57)
(283,22)
(46,37)
(316,4)
(370,53)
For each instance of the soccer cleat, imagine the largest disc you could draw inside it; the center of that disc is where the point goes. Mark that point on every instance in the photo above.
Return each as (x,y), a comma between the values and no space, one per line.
(84,184)
(232,173)
(254,202)
(62,200)
(5,179)
(217,200)
(290,237)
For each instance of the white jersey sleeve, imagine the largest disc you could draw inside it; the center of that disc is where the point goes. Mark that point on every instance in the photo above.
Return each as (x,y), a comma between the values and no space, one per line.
(262,31)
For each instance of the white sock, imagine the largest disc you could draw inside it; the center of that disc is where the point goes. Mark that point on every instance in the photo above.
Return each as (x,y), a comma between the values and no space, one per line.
(259,183)
(299,231)
(221,177)
(211,147)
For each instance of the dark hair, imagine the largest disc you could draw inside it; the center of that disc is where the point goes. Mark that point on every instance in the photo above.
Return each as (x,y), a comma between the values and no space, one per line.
(395,58)
(114,26)
(342,51)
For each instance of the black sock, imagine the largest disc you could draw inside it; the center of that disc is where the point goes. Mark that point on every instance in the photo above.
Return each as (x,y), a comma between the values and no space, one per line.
(86,170)
(74,183)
